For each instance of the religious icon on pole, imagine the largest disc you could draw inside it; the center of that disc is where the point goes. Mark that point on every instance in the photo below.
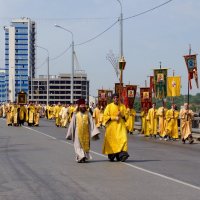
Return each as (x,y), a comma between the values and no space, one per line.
(128,95)
(146,98)
(22,98)
(191,63)
(173,86)
(160,81)
(104,97)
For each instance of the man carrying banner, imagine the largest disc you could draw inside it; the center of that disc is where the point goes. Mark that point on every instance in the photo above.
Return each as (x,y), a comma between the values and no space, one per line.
(161,113)
(186,117)
(172,116)
(152,120)
(130,118)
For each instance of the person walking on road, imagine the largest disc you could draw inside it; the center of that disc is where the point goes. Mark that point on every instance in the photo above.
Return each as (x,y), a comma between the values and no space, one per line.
(80,130)
(115,141)
(186,116)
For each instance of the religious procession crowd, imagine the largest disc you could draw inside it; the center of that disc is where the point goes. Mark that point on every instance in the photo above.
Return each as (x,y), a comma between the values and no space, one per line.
(163,122)
(116,120)
(18,114)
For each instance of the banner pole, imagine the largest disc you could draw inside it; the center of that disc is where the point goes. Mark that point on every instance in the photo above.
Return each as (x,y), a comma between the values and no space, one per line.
(188,100)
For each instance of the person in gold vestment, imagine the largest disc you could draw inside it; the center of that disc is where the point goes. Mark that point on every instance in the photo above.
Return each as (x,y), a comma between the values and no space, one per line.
(130,118)
(15,114)
(152,120)
(64,115)
(162,123)
(186,116)
(30,114)
(97,115)
(22,114)
(80,130)
(144,129)
(9,118)
(37,114)
(172,116)
(115,141)
(57,110)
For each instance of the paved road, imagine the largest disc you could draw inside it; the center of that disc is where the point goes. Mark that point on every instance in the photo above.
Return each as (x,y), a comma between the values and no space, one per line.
(38,164)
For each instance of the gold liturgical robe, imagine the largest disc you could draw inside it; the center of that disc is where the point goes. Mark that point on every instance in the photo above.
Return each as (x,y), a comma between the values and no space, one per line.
(130,119)
(37,114)
(8,112)
(30,114)
(14,112)
(81,130)
(56,114)
(161,113)
(152,121)
(186,117)
(115,139)
(22,112)
(172,123)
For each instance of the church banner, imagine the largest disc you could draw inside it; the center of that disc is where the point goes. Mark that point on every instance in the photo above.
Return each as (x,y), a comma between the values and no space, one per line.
(191,63)
(160,83)
(128,95)
(152,83)
(173,86)
(104,97)
(146,98)
(117,88)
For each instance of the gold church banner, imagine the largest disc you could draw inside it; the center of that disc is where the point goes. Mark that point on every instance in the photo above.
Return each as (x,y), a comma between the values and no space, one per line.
(173,86)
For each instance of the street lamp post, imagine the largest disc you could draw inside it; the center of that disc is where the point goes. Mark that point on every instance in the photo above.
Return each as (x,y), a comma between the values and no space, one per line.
(121,29)
(72,75)
(122,61)
(47,72)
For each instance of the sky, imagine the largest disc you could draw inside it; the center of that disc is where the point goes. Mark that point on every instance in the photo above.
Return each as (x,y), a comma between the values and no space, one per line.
(162,35)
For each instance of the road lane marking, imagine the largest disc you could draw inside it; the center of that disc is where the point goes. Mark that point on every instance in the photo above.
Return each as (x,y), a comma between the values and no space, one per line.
(40,132)
(127,164)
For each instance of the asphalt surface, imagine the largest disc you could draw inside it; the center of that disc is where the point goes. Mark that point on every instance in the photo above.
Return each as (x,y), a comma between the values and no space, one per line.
(37,163)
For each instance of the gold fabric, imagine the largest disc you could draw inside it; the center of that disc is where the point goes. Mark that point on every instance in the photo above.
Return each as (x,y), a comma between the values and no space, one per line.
(115,139)
(186,123)
(22,112)
(30,114)
(152,121)
(172,123)
(98,116)
(162,123)
(9,118)
(145,129)
(83,130)
(56,115)
(70,112)
(37,114)
(95,116)
(130,119)
(14,111)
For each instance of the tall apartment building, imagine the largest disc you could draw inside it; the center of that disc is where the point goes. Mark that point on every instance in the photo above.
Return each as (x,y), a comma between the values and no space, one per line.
(19,57)
(59,88)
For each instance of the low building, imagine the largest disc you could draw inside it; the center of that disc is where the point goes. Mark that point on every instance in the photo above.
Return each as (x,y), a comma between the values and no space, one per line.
(59,88)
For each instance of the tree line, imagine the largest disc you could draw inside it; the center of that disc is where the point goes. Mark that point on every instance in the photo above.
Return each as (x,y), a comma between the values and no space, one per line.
(194,101)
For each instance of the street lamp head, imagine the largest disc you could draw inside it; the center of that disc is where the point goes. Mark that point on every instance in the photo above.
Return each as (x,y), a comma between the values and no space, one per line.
(122,63)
